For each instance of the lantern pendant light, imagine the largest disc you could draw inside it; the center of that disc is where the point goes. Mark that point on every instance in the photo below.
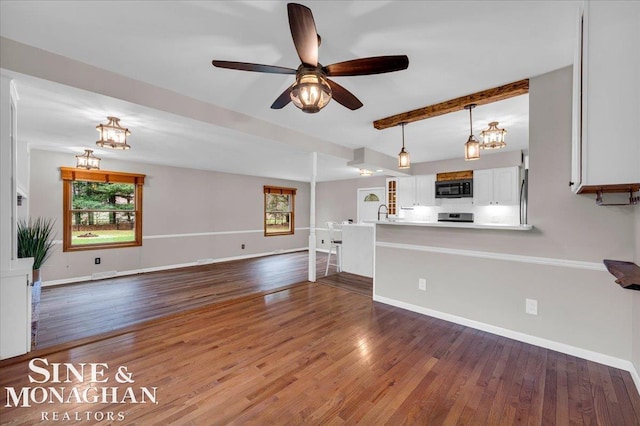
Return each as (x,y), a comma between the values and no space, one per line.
(87,161)
(472,147)
(112,135)
(493,138)
(404,162)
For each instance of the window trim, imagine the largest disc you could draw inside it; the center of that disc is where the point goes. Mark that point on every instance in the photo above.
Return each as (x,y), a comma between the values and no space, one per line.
(280,190)
(70,175)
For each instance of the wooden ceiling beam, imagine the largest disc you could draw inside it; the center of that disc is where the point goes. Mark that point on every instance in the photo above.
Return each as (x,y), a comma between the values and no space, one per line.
(480,98)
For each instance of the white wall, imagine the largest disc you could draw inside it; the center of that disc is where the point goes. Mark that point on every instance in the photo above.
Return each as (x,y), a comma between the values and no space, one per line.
(338,201)
(484,276)
(188,215)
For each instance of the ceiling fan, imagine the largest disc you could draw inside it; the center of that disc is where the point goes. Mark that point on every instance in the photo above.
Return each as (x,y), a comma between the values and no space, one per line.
(312,89)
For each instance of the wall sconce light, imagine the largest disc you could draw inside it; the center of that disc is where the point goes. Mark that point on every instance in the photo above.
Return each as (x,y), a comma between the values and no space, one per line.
(112,135)
(472,146)
(404,162)
(87,161)
(493,138)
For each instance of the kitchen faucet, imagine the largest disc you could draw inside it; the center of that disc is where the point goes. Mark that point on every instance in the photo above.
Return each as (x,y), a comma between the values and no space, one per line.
(386,211)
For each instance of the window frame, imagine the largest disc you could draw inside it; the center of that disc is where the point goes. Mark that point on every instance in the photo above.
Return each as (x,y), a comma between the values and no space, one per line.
(279,190)
(70,175)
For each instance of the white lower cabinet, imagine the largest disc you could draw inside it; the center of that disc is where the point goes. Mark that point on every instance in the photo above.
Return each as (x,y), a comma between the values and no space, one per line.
(15,313)
(496,186)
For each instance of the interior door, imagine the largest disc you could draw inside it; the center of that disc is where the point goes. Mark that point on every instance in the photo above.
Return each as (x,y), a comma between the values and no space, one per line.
(369,199)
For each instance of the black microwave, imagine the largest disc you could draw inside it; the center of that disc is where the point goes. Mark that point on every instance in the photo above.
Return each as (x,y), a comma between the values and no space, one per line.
(460,188)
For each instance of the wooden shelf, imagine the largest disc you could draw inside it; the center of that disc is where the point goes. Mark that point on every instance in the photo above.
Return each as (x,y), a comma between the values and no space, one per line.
(594,189)
(627,273)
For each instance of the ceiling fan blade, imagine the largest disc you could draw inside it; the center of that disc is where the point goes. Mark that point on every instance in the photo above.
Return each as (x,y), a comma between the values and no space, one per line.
(303,32)
(283,99)
(366,66)
(343,96)
(244,66)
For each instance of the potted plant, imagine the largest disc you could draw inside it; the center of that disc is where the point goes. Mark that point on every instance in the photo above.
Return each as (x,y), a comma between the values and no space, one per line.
(35,239)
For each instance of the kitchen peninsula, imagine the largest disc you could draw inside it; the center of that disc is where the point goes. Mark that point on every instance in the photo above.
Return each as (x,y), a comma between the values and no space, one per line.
(498,226)
(358,243)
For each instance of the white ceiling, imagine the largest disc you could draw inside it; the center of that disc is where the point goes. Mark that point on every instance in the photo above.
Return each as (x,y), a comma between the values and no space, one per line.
(454,47)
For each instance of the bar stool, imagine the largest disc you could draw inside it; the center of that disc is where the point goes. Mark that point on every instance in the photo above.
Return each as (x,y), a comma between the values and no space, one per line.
(335,246)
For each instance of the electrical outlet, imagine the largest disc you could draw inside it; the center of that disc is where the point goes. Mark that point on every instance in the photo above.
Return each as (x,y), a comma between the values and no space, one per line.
(243,247)
(322,241)
(531,306)
(422,284)
(96,260)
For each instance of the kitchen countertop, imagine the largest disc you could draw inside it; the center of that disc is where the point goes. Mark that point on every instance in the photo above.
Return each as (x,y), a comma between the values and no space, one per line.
(466,225)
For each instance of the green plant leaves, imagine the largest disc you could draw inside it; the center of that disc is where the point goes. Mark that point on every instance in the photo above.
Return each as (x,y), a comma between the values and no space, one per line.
(35,239)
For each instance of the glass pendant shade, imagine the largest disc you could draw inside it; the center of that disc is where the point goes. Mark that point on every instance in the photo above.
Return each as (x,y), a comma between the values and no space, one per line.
(471,149)
(493,138)
(472,146)
(404,162)
(87,161)
(112,135)
(311,92)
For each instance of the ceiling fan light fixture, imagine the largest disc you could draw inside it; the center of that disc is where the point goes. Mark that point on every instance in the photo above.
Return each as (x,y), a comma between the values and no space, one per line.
(112,135)
(472,146)
(311,92)
(87,161)
(493,138)
(404,162)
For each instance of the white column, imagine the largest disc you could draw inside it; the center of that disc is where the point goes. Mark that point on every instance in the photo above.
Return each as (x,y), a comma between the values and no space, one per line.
(7,168)
(312,217)
(15,274)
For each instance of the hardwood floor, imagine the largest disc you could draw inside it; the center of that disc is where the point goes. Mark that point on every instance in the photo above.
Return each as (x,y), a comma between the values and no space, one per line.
(82,310)
(318,354)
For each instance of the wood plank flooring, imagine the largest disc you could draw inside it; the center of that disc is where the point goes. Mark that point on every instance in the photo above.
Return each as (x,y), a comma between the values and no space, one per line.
(316,354)
(86,309)
(247,343)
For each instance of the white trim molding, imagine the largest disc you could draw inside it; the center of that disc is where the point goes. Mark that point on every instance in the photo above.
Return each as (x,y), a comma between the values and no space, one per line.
(203,234)
(212,233)
(594,266)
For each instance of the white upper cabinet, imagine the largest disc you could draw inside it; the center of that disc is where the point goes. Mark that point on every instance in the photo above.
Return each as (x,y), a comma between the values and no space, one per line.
(426,190)
(606,109)
(407,191)
(416,191)
(496,186)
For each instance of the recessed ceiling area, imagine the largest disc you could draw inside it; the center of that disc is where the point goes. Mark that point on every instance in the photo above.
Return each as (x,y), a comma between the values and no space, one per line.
(170,45)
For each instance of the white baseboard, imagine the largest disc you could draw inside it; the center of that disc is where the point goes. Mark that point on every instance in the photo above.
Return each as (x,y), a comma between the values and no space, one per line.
(521,337)
(109,274)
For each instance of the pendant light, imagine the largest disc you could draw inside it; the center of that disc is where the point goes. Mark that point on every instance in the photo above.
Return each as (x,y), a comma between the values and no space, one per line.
(493,138)
(112,135)
(87,161)
(404,162)
(472,147)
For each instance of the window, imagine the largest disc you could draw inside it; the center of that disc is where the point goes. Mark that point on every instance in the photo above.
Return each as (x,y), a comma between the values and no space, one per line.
(101,209)
(279,210)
